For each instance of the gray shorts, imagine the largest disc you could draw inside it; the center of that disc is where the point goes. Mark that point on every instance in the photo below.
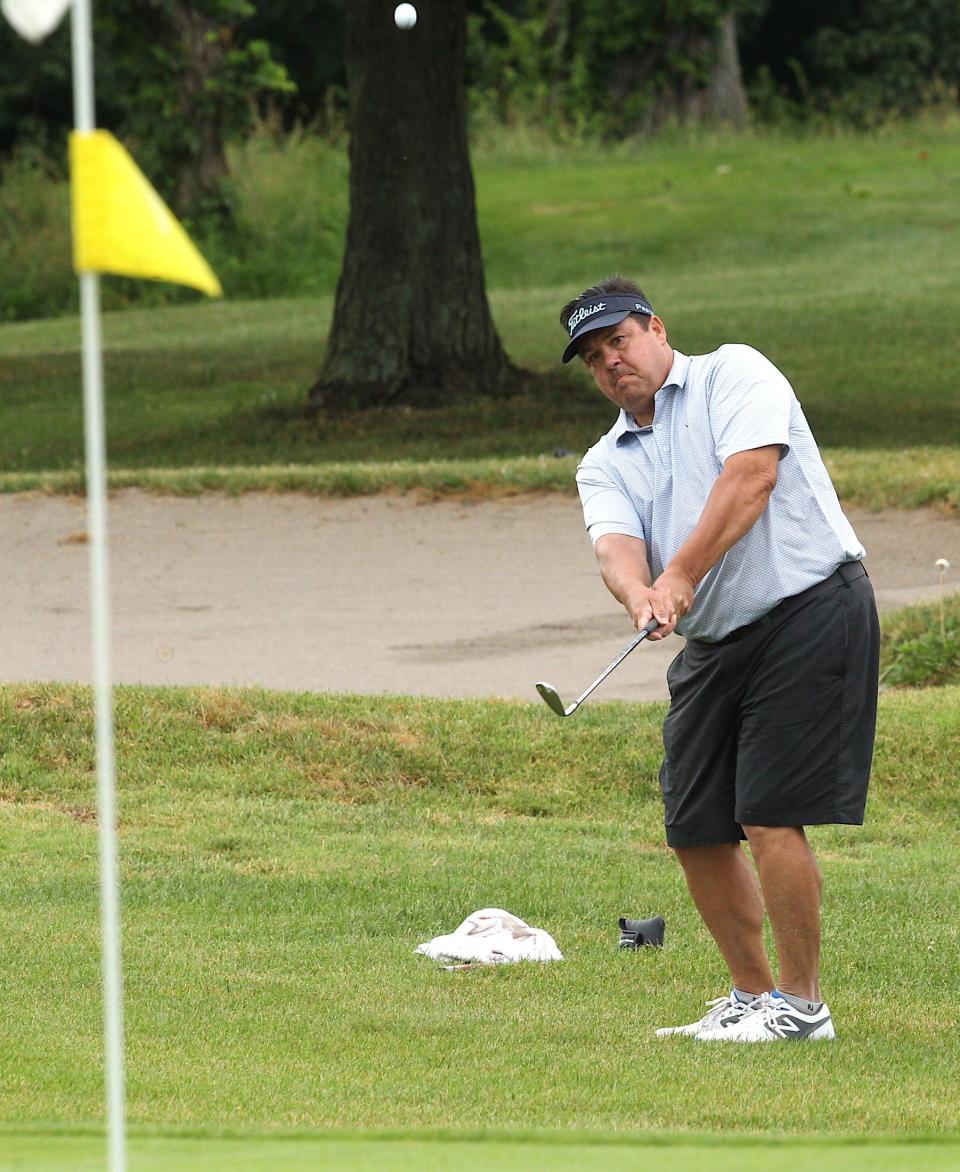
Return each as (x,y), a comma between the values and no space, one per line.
(774,725)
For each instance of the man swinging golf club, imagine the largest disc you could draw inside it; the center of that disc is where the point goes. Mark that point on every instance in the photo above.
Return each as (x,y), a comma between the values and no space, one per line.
(711,512)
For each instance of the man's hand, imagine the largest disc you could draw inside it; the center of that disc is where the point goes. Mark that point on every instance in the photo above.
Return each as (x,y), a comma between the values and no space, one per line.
(623,563)
(667,600)
(678,589)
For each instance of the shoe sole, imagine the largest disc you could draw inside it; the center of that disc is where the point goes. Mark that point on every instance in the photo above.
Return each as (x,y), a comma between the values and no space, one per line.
(823,1033)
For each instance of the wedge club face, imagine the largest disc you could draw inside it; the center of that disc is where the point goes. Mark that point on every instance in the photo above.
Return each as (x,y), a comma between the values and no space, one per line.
(552,698)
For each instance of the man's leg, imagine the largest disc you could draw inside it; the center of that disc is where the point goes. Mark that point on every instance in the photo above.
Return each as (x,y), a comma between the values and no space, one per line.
(791,884)
(724,887)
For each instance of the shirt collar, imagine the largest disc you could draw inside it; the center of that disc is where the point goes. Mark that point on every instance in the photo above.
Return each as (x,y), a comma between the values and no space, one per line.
(678,372)
(675,379)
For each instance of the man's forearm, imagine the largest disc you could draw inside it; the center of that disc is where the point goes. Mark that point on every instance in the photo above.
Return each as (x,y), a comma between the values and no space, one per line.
(626,573)
(623,565)
(736,501)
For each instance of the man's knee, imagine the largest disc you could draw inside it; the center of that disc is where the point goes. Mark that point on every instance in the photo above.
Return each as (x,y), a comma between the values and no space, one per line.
(697,857)
(787,845)
(762,836)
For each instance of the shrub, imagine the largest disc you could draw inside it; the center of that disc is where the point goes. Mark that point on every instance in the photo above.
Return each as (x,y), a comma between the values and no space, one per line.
(920,645)
(35,240)
(290,203)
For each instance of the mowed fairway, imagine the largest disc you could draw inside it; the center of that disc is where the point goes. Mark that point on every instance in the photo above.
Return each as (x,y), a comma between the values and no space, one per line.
(282,856)
(369,1153)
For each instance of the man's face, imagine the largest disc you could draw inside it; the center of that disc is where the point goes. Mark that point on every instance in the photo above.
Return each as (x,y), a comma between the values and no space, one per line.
(629,363)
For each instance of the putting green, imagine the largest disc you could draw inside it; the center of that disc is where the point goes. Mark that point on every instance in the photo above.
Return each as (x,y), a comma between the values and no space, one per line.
(158,1153)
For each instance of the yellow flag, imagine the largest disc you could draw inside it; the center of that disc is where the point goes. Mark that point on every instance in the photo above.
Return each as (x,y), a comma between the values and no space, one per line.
(121,225)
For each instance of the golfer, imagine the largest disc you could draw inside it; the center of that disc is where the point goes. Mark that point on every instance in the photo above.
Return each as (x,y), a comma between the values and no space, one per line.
(711,511)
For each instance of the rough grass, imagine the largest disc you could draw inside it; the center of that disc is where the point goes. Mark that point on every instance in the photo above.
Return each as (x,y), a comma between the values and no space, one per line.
(282,855)
(920,645)
(912,478)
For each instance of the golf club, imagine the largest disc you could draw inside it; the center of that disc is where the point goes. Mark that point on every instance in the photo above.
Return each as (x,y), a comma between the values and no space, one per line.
(551,696)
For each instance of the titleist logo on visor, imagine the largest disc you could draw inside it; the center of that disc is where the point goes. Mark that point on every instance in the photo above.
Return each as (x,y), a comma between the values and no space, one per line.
(585,311)
(627,304)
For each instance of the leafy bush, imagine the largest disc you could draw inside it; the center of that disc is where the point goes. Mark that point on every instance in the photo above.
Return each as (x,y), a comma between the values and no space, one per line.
(850,62)
(920,645)
(290,204)
(601,68)
(35,241)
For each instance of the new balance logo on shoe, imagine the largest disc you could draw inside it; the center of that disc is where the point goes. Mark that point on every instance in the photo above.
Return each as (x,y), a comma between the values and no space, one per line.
(772,1019)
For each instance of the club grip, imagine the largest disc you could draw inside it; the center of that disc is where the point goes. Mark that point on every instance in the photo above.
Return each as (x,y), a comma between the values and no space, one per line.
(651,627)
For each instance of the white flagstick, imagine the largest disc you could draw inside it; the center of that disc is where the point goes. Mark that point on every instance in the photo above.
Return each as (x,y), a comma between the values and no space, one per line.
(94,437)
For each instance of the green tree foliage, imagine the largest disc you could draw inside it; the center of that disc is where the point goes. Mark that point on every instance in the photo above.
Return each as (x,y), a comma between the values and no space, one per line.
(36,95)
(598,66)
(857,60)
(617,66)
(184,81)
(176,80)
(306,37)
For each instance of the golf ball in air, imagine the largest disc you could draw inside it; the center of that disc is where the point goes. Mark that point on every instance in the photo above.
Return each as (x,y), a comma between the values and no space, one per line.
(405,16)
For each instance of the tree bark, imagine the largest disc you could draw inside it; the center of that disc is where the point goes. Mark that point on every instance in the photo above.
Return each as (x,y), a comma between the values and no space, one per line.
(715,94)
(411,322)
(725,99)
(557,33)
(203,45)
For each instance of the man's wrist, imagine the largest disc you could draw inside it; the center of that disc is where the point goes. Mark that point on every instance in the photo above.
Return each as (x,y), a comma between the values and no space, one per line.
(678,570)
(680,584)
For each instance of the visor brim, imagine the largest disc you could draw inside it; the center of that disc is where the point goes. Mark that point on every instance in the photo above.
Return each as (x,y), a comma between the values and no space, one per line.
(590,324)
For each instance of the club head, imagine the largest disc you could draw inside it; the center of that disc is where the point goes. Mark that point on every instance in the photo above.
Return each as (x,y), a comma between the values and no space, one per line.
(551,698)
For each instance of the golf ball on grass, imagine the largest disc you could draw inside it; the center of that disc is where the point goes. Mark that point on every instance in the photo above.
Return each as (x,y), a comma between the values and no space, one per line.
(405,16)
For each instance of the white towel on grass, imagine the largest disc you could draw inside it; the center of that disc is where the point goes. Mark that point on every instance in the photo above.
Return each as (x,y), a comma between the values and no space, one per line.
(493,936)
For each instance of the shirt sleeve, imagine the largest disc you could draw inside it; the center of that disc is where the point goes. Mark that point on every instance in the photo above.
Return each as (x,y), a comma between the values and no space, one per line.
(606,506)
(750,403)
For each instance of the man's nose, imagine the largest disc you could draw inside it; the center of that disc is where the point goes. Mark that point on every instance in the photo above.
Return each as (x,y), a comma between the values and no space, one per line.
(611,356)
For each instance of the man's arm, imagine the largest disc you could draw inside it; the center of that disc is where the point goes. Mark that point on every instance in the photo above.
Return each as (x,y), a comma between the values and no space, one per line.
(737,499)
(623,566)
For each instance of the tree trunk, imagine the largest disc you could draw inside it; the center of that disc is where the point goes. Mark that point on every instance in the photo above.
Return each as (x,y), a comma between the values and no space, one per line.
(557,34)
(725,99)
(411,322)
(203,44)
(714,93)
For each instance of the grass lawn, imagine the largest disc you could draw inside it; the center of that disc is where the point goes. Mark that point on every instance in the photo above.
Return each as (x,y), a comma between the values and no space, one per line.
(909,478)
(833,255)
(282,855)
(370,1153)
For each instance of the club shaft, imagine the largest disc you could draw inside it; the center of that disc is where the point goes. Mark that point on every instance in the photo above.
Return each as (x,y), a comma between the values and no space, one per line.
(636,641)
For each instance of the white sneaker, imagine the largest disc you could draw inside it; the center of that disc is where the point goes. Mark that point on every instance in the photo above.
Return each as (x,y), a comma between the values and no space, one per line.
(724,1011)
(772,1019)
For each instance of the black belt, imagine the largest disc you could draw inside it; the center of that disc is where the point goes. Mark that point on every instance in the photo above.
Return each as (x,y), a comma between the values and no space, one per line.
(842,575)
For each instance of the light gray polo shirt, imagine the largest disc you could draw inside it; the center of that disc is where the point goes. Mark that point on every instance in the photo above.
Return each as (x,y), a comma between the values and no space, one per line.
(653,482)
